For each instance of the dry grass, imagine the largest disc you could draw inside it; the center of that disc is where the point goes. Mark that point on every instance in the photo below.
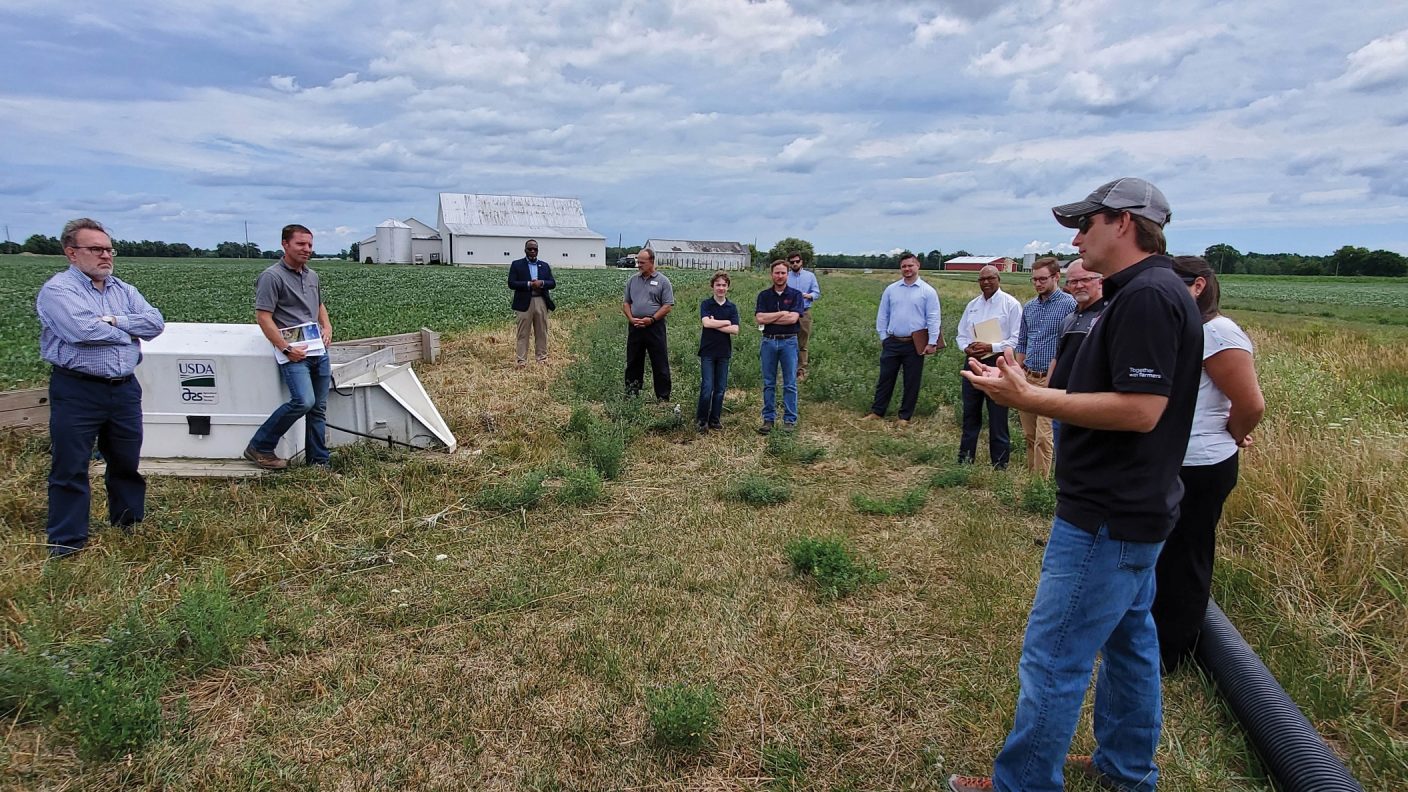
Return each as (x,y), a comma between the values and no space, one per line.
(522,660)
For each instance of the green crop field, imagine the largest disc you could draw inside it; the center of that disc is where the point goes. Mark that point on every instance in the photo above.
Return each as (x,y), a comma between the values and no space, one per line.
(590,595)
(363,300)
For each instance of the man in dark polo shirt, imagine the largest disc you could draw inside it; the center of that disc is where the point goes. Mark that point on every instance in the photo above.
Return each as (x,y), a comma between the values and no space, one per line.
(649,299)
(1125,414)
(779,311)
(289,295)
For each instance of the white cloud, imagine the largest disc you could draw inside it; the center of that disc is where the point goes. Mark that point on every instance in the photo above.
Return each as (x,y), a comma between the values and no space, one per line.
(284,83)
(1381,63)
(937,27)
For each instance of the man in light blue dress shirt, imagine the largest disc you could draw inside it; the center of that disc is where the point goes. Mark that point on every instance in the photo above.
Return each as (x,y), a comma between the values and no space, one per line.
(908,306)
(803,281)
(90,328)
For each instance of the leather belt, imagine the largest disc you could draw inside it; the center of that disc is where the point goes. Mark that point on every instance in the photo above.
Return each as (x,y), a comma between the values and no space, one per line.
(68,372)
(780,335)
(909,337)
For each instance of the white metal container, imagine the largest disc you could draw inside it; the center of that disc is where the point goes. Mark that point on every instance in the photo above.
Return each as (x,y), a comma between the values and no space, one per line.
(206,388)
(393,242)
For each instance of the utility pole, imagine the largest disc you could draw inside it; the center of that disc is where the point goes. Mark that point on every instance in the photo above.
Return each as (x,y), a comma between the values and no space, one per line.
(245,252)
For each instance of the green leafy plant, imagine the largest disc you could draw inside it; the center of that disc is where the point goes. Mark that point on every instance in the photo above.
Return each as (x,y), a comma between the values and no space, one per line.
(580,486)
(758,490)
(954,476)
(784,764)
(789,447)
(211,625)
(604,448)
(1039,497)
(682,716)
(904,505)
(519,493)
(831,564)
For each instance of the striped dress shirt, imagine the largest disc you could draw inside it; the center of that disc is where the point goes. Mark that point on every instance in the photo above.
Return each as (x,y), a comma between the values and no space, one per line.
(73,336)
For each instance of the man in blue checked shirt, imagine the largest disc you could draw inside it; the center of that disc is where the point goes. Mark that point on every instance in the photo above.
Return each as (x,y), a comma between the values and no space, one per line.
(803,281)
(90,328)
(908,307)
(1036,350)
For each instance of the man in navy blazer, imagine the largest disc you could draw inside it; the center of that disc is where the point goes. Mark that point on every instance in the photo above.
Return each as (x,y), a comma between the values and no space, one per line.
(531,280)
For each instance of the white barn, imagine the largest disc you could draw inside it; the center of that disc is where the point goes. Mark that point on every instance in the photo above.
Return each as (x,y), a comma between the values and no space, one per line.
(686,254)
(491,229)
(425,245)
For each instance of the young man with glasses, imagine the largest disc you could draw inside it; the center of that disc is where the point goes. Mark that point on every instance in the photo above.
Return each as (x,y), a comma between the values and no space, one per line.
(1126,413)
(1036,348)
(91,325)
(803,281)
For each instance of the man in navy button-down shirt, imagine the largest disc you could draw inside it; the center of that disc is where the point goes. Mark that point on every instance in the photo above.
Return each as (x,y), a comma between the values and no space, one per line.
(90,325)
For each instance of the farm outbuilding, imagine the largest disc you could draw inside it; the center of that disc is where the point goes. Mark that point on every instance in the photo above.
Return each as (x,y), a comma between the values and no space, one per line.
(424,243)
(686,254)
(491,229)
(975,263)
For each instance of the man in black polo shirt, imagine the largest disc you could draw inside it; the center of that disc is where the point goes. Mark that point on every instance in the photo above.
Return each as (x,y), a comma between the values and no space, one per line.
(779,311)
(1125,414)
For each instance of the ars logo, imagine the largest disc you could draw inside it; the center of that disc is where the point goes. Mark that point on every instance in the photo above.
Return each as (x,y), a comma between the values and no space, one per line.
(198,383)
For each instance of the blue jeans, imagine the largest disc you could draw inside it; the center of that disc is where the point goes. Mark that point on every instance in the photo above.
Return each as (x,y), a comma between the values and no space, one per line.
(713,381)
(1094,596)
(308,381)
(783,351)
(81,412)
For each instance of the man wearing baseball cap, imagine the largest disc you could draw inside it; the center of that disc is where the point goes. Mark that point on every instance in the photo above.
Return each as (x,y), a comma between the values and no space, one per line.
(1125,417)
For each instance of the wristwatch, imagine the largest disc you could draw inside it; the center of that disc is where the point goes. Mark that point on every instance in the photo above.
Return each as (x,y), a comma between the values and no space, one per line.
(285,350)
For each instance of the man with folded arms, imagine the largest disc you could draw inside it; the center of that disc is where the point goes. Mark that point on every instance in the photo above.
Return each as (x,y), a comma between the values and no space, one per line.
(1125,417)
(909,306)
(90,328)
(1036,347)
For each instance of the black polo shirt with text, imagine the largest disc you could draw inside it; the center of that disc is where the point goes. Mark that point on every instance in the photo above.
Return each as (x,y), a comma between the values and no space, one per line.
(1149,339)
(770,301)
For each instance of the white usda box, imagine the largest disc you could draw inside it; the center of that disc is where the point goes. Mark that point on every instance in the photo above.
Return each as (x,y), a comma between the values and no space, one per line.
(206,388)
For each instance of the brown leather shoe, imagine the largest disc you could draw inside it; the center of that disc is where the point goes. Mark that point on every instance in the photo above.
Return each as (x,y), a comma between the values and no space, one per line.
(266,461)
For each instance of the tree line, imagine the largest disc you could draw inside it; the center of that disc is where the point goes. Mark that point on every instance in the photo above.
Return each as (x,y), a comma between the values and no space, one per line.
(1347,261)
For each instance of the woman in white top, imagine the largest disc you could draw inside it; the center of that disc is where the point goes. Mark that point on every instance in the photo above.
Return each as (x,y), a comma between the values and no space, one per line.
(1230,406)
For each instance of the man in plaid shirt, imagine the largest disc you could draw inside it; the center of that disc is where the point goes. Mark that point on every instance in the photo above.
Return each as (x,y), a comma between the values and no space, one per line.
(1036,349)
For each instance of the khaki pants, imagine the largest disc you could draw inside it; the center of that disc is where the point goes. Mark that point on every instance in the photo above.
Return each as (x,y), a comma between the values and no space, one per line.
(804,334)
(536,319)
(1037,430)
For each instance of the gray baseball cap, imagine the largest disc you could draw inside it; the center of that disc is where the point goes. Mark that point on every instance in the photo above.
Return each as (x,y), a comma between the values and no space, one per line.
(1135,196)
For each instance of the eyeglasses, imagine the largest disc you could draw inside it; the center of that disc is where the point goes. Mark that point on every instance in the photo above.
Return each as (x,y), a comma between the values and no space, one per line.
(1041,279)
(98,251)
(1086,279)
(794,261)
(988,278)
(1083,224)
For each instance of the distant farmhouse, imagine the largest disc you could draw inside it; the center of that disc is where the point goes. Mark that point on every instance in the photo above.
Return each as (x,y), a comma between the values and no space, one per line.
(489,229)
(685,254)
(975,263)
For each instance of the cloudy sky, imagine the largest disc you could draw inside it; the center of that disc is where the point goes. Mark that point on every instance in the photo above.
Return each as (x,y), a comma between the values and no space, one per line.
(1272,126)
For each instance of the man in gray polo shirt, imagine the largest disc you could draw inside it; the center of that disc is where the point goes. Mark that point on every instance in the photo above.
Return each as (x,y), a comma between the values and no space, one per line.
(286,296)
(649,298)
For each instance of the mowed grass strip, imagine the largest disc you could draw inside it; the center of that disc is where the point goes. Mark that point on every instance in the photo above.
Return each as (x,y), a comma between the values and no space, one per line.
(424,637)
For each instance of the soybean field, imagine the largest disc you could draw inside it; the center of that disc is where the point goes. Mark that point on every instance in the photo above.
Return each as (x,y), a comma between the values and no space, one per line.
(363,300)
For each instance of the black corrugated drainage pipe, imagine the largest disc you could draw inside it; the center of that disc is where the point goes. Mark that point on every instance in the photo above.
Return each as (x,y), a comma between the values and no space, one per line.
(1296,756)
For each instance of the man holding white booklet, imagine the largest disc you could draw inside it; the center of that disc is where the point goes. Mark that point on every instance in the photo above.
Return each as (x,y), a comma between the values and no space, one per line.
(990,325)
(288,305)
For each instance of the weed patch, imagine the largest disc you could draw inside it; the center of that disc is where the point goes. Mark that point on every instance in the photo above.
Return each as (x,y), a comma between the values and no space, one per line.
(682,716)
(955,476)
(1039,496)
(831,564)
(580,486)
(903,506)
(758,490)
(518,493)
(789,447)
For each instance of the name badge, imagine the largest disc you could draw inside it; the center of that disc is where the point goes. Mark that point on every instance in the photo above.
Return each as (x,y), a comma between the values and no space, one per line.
(655,283)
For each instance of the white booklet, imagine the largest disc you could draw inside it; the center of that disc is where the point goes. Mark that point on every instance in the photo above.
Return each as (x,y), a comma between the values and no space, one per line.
(989,331)
(307,337)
